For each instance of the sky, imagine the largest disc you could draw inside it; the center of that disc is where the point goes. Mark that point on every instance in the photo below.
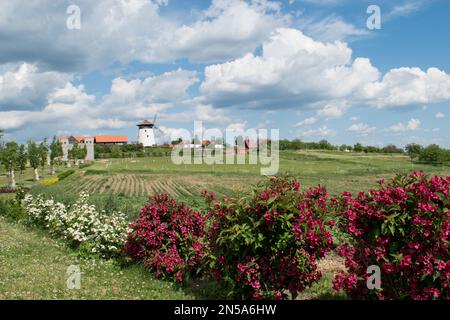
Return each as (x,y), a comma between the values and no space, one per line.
(311,68)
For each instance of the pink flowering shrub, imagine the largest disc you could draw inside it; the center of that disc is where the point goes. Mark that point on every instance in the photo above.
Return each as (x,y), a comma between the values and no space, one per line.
(403,227)
(167,238)
(267,243)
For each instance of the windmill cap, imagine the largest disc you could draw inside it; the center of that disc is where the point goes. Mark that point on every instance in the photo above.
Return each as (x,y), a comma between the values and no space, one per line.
(145,123)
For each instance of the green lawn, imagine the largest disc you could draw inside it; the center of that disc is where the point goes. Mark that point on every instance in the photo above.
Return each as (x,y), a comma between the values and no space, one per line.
(33,266)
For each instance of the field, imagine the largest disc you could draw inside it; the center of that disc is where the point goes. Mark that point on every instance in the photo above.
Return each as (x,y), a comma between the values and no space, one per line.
(141,177)
(125,184)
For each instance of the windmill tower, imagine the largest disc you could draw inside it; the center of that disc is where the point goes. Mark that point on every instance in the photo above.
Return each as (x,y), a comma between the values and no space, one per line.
(146,136)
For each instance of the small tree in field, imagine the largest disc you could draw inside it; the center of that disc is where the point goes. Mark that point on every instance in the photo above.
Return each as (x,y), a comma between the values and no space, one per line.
(56,151)
(81,154)
(413,150)
(71,154)
(8,158)
(77,153)
(33,156)
(43,154)
(432,153)
(22,158)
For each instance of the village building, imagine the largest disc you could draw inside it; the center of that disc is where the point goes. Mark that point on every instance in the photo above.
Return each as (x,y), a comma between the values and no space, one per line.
(89,142)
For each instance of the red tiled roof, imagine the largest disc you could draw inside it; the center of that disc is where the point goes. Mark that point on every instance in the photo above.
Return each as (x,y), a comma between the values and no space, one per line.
(111,139)
(78,138)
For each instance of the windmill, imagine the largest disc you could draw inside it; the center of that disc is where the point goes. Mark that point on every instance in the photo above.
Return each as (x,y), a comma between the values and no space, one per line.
(146,134)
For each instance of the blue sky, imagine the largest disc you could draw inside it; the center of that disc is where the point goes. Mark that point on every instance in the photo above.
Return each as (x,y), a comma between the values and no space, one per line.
(309,68)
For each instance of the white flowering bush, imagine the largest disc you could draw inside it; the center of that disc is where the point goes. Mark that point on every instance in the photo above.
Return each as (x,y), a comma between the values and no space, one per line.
(80,223)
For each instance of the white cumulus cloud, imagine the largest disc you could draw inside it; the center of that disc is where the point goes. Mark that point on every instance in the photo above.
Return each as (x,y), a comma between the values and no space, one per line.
(412,125)
(361,129)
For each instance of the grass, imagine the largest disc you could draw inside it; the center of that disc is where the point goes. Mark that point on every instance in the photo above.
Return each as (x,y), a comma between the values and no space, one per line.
(33,266)
(136,179)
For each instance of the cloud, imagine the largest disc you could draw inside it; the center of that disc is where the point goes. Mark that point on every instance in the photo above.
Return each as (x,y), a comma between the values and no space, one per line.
(226,30)
(333,110)
(439,115)
(25,87)
(404,9)
(325,2)
(412,125)
(295,71)
(143,98)
(307,122)
(322,132)
(361,129)
(70,108)
(128,30)
(354,118)
(331,28)
(111,30)
(406,87)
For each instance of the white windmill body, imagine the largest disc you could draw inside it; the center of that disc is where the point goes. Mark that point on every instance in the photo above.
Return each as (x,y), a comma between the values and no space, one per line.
(146,136)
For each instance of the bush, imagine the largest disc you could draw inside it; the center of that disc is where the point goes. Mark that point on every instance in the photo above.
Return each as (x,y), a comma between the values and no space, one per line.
(65,174)
(268,243)
(7,190)
(166,238)
(11,190)
(403,227)
(84,165)
(12,209)
(80,224)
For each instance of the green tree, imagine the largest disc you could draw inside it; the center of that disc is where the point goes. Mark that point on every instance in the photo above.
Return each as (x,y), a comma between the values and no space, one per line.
(358,147)
(81,153)
(43,154)
(413,150)
(9,156)
(34,157)
(22,158)
(432,153)
(77,153)
(391,148)
(56,151)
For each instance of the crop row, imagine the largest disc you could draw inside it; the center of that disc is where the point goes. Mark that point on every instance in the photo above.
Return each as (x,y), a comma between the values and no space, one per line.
(132,185)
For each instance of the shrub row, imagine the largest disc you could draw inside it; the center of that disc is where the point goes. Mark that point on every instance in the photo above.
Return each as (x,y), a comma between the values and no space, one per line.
(7,190)
(65,174)
(259,247)
(265,245)
(12,190)
(80,224)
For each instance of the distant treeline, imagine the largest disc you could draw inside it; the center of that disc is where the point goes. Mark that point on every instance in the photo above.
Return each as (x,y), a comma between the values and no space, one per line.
(129,151)
(431,153)
(297,144)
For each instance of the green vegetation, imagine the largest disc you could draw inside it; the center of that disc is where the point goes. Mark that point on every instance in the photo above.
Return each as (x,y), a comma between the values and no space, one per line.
(35,265)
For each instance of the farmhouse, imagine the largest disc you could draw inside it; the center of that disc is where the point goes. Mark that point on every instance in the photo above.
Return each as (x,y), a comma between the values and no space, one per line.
(88,142)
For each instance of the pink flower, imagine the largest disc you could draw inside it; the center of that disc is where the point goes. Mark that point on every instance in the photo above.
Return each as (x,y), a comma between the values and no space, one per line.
(197,246)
